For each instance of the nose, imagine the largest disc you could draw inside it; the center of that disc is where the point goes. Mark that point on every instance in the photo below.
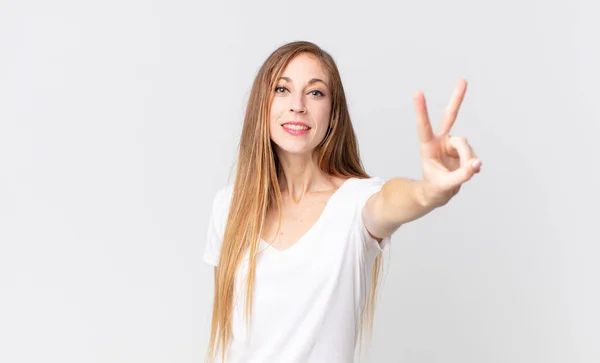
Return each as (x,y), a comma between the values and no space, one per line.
(298,109)
(297,104)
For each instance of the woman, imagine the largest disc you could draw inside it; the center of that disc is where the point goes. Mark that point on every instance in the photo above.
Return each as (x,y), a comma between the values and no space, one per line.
(296,240)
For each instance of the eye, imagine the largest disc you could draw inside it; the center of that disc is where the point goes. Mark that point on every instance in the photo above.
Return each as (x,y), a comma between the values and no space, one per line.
(317,93)
(280,89)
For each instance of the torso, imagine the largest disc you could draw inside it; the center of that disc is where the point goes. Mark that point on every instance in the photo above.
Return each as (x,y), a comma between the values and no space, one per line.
(297,219)
(308,298)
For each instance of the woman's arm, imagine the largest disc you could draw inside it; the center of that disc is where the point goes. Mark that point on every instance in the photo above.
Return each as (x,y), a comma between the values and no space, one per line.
(447,162)
(399,201)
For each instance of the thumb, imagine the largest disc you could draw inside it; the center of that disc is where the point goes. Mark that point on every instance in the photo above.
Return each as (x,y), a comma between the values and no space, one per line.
(463,173)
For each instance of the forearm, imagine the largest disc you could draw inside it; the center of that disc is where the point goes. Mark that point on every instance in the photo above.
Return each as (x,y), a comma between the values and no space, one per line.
(403,200)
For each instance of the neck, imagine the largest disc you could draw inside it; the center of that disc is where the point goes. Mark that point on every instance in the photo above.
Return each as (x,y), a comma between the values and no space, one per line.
(301,175)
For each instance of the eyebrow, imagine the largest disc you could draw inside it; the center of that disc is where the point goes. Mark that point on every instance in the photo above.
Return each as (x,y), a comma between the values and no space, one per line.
(313,80)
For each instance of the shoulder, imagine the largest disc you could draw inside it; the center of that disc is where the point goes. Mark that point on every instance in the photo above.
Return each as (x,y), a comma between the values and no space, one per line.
(367,185)
(216,224)
(359,182)
(222,200)
(357,190)
(224,193)
(361,189)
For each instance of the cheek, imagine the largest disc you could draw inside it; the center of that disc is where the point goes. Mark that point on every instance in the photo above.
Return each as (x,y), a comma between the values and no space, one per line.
(322,115)
(277,109)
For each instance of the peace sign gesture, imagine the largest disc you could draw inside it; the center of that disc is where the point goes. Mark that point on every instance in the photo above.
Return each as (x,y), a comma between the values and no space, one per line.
(447,161)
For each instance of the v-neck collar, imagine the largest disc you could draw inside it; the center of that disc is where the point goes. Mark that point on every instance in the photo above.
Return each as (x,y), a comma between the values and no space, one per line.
(313,227)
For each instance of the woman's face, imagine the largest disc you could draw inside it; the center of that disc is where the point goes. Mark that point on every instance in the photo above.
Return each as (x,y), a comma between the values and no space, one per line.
(302,97)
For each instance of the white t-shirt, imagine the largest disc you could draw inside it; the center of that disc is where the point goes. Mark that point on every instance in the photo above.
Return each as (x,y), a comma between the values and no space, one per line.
(309,298)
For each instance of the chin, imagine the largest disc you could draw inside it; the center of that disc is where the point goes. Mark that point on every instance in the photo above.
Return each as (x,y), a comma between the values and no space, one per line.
(293,148)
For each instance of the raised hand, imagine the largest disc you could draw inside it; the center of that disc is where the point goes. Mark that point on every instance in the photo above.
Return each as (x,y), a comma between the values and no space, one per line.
(447,160)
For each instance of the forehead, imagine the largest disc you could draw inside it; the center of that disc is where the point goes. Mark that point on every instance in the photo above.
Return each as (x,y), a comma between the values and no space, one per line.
(304,67)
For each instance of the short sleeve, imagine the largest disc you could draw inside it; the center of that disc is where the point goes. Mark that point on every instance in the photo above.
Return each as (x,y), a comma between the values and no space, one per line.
(216,225)
(364,191)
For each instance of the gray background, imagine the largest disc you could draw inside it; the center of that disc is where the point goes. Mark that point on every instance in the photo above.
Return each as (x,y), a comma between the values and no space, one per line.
(119,120)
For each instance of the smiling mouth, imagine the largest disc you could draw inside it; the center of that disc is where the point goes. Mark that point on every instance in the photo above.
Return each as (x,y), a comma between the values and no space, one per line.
(295,127)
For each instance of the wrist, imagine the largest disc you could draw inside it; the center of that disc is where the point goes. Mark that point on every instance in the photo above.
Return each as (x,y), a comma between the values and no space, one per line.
(424,197)
(420,194)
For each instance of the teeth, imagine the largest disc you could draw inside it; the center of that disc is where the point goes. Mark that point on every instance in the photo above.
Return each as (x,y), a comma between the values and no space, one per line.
(295,127)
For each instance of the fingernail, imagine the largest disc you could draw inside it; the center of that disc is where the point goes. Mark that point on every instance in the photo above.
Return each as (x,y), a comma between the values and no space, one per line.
(476,163)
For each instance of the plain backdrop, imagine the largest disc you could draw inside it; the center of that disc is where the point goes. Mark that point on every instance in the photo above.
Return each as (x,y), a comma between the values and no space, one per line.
(119,120)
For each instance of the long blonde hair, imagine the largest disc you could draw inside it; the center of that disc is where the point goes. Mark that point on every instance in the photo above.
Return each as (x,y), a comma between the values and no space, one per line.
(256,185)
